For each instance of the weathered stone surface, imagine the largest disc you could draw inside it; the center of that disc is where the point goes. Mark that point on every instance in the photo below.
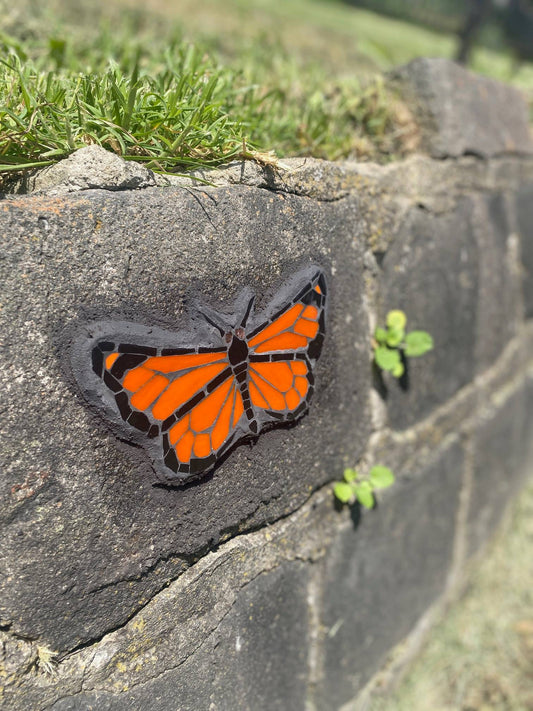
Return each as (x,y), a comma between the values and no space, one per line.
(186,688)
(431,272)
(502,458)
(307,177)
(96,168)
(256,659)
(499,307)
(462,113)
(88,168)
(261,655)
(381,576)
(525,445)
(87,538)
(254,587)
(524,213)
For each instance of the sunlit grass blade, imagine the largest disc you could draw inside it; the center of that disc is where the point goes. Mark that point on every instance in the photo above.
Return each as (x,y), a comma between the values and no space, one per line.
(173,106)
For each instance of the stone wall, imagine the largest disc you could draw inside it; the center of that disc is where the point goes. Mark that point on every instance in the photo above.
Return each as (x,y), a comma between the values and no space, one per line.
(250,588)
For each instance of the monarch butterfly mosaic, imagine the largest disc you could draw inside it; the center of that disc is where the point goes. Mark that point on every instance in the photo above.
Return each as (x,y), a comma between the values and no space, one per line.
(188,397)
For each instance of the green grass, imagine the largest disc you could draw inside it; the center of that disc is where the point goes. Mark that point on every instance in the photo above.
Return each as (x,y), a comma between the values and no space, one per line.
(201,82)
(179,116)
(175,104)
(190,112)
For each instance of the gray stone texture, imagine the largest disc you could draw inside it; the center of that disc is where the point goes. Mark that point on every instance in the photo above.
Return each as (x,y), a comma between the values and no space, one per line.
(524,214)
(88,168)
(503,456)
(460,113)
(261,654)
(99,540)
(499,304)
(240,613)
(431,272)
(256,659)
(373,591)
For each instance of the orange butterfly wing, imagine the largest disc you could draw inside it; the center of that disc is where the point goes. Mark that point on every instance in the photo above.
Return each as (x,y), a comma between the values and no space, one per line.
(279,386)
(189,399)
(283,351)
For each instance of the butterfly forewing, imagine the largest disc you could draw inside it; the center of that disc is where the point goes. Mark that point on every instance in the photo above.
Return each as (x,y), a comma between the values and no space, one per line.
(283,352)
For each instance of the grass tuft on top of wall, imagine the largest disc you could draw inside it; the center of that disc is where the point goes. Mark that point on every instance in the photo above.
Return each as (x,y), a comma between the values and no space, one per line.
(182,84)
(190,112)
(174,105)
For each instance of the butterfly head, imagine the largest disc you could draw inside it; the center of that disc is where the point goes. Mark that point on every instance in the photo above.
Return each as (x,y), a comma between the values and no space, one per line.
(233,329)
(238,332)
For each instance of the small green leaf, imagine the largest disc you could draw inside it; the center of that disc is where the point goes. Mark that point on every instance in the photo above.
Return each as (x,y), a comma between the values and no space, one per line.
(386,358)
(417,343)
(343,492)
(350,475)
(380,477)
(396,320)
(398,371)
(363,493)
(380,334)
(395,336)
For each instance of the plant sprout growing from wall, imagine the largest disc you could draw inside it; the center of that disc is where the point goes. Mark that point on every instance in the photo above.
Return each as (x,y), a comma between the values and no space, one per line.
(392,344)
(356,487)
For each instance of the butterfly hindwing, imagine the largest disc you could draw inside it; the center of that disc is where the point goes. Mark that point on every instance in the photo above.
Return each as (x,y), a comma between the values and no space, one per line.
(197,439)
(186,399)
(281,385)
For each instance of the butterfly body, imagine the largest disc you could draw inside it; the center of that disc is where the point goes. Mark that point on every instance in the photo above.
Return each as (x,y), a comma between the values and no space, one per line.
(189,405)
(238,353)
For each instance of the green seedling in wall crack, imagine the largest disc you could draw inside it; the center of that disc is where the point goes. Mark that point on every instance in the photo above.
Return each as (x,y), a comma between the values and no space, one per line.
(392,344)
(356,487)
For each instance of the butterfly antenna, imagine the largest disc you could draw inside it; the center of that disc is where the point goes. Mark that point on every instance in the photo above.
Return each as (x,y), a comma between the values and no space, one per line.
(247,313)
(212,322)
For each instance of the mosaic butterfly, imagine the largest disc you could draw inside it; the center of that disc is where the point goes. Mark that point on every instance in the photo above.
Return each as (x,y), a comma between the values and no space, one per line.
(188,405)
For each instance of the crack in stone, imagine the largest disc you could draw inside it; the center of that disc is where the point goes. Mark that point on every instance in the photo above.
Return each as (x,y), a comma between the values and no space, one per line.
(187,559)
(210,633)
(311,558)
(204,640)
(202,206)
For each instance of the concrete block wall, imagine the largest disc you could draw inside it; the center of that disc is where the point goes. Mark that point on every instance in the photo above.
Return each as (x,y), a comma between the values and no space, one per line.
(251,589)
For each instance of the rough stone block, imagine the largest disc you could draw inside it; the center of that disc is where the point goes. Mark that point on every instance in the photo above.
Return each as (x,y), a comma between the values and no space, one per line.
(87,538)
(431,272)
(262,646)
(383,575)
(240,612)
(185,688)
(256,659)
(524,214)
(502,459)
(499,290)
(525,446)
(91,167)
(463,113)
